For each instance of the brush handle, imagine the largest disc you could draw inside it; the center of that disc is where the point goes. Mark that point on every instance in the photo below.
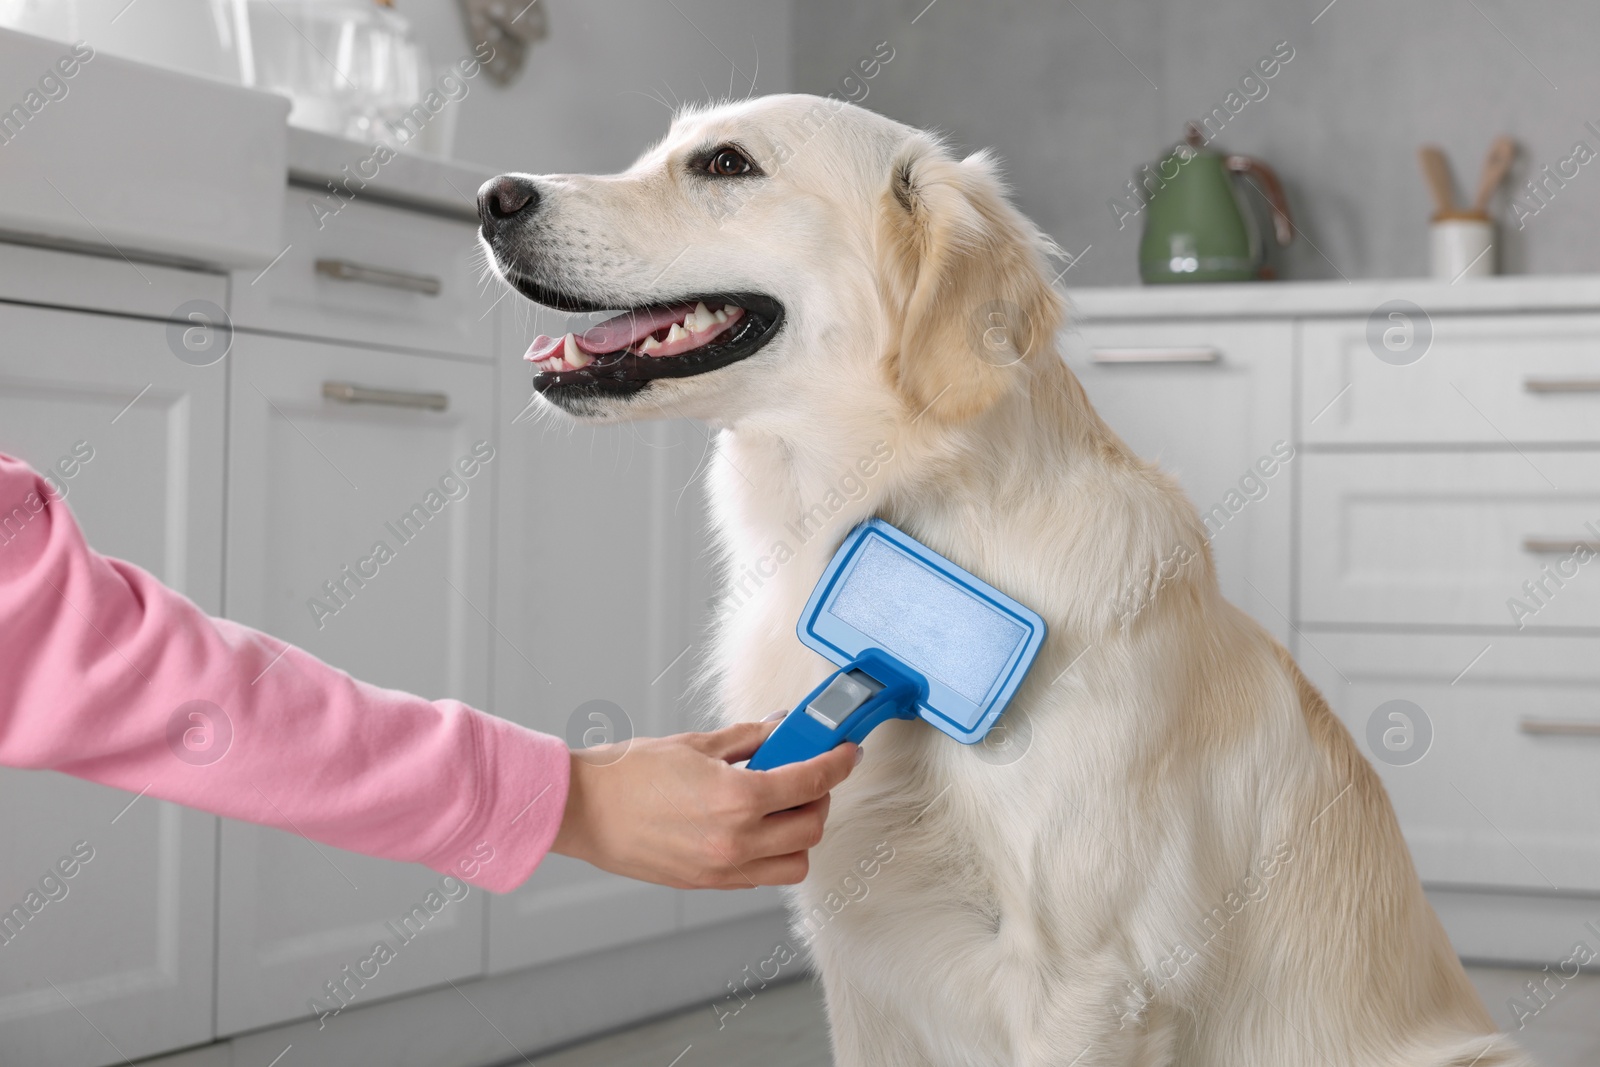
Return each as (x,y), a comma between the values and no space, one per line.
(1501,153)
(804,733)
(1436,169)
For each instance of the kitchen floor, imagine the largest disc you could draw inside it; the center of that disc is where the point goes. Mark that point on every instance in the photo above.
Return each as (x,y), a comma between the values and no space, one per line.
(784,1026)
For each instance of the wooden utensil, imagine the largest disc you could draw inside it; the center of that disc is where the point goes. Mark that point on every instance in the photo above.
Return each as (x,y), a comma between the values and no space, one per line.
(1436,169)
(1501,154)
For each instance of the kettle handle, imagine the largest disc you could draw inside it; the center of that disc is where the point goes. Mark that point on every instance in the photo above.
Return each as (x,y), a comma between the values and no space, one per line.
(1270,187)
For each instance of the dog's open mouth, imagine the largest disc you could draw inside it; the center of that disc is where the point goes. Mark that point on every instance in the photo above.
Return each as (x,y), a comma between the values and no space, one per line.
(674,340)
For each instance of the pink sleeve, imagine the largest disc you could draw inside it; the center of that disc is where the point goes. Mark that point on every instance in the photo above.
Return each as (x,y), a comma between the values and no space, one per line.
(107,674)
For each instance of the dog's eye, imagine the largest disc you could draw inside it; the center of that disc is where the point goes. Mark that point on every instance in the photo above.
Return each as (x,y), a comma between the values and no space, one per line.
(727,162)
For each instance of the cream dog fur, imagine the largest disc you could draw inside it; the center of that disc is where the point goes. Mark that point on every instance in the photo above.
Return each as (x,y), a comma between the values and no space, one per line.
(1189,861)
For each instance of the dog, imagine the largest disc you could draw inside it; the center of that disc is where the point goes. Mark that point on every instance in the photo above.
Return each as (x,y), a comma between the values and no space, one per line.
(1189,861)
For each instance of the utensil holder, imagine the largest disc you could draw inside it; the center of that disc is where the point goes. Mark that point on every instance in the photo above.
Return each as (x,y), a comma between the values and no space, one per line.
(1462,245)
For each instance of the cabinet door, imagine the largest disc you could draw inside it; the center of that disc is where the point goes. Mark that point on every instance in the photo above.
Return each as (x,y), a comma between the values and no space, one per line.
(602,601)
(1488,745)
(1210,402)
(314,484)
(121,966)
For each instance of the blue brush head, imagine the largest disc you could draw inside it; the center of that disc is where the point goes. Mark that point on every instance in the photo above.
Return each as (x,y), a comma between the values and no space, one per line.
(971,643)
(950,635)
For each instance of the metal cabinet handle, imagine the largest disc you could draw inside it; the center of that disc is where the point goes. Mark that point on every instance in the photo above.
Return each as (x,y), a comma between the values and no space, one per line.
(350,393)
(1561,385)
(345,271)
(1560,727)
(1544,546)
(1169,354)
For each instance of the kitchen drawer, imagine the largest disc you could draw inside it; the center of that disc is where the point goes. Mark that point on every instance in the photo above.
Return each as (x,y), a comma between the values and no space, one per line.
(388,276)
(1506,791)
(1490,379)
(1450,538)
(31,275)
(1210,402)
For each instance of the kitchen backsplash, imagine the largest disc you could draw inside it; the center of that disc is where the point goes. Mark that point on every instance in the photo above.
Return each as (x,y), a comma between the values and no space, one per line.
(1076,95)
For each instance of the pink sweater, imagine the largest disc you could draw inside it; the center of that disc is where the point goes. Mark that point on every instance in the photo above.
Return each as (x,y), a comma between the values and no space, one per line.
(107,674)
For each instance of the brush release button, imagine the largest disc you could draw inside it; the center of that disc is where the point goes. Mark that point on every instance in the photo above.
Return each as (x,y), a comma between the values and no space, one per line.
(843,695)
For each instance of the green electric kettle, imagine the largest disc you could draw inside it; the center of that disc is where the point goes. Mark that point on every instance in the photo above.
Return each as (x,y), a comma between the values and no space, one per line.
(1196,229)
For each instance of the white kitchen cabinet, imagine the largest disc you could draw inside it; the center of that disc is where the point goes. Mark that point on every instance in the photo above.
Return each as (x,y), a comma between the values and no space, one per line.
(122,965)
(246,487)
(1436,477)
(1209,401)
(598,617)
(1500,786)
(314,483)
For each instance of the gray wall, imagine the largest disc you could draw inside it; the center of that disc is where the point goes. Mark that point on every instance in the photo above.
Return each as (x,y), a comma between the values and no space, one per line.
(584,100)
(1370,81)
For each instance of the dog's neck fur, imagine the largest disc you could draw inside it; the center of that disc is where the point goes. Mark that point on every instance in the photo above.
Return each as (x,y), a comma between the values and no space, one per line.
(989,495)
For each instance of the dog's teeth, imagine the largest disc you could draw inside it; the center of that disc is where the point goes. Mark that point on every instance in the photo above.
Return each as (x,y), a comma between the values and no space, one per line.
(575,357)
(677,333)
(702,317)
(720,316)
(650,345)
(728,309)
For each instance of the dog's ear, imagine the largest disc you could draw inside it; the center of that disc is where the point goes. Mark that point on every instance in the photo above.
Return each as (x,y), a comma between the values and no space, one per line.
(963,275)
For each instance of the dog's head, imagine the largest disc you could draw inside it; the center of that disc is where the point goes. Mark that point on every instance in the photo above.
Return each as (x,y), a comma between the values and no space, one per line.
(776,257)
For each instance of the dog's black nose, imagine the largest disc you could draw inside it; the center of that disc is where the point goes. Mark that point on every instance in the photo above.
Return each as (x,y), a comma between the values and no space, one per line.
(505,197)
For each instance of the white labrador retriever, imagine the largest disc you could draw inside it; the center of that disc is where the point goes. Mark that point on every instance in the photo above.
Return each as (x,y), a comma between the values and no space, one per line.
(1189,862)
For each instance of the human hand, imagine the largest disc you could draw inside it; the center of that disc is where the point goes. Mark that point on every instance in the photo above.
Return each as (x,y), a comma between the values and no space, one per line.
(675,811)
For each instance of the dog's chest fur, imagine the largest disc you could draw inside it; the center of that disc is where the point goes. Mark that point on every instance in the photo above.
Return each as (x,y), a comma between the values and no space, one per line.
(908,880)
(956,906)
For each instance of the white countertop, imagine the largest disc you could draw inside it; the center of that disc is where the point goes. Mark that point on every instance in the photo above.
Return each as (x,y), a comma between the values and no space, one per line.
(138,162)
(202,187)
(1319,298)
(425,182)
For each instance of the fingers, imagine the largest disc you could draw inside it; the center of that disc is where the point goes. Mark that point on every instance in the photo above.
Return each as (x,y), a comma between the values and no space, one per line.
(733,743)
(796,784)
(773,852)
(776,870)
(784,832)
(782,870)
(753,838)
(759,825)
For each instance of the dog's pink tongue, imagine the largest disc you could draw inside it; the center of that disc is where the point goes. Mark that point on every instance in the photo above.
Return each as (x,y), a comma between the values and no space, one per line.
(629,328)
(543,347)
(612,335)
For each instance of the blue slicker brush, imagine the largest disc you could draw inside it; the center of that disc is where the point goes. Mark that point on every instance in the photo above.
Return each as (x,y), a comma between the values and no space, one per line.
(914,635)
